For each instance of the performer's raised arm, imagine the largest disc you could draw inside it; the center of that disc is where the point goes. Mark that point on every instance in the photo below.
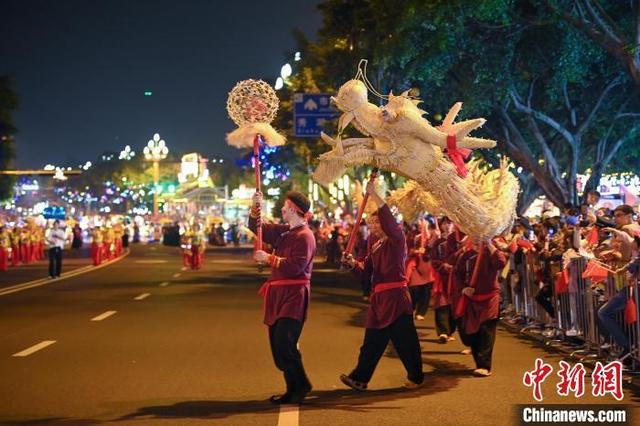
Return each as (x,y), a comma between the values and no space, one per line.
(387,221)
(498,259)
(270,231)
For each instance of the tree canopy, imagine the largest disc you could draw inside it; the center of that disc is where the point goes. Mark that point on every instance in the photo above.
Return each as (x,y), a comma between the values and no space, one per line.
(555,98)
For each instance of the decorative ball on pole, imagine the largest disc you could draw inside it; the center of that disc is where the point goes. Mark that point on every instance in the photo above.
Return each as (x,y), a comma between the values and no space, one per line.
(156,150)
(253,105)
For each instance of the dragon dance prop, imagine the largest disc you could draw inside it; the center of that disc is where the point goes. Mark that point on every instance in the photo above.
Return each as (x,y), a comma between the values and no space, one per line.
(253,105)
(399,139)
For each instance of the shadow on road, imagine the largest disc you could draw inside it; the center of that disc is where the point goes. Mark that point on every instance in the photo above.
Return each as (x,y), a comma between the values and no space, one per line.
(444,377)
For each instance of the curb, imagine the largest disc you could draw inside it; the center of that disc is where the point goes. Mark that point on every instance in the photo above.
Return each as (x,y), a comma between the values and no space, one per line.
(43,281)
(629,380)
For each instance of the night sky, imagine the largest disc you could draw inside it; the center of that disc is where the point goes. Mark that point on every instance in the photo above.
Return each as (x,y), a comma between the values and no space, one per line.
(80,69)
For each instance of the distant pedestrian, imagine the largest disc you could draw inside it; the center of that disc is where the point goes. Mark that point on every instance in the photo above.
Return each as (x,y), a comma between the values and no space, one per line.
(77,237)
(55,242)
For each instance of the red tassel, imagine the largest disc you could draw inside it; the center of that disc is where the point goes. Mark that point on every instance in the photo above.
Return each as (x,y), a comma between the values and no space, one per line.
(562,283)
(631,310)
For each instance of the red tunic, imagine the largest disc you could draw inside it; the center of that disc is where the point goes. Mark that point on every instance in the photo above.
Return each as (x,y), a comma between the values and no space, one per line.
(487,287)
(419,266)
(385,263)
(294,250)
(440,253)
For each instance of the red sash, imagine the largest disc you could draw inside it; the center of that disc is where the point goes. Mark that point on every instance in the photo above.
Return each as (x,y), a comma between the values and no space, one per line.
(264,289)
(482,297)
(462,303)
(379,288)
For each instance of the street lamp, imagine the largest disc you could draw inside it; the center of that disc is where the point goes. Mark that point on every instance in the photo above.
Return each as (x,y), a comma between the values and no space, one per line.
(127,153)
(155,151)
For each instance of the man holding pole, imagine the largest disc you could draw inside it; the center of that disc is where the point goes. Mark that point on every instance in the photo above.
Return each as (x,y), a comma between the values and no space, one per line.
(477,299)
(286,292)
(390,313)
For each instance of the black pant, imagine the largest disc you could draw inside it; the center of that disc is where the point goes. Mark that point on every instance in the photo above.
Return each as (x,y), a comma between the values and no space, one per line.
(55,261)
(420,296)
(283,336)
(481,342)
(402,333)
(365,283)
(445,323)
(544,299)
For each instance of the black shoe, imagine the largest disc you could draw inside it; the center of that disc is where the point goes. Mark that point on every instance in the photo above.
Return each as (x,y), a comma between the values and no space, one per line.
(353,384)
(281,399)
(298,397)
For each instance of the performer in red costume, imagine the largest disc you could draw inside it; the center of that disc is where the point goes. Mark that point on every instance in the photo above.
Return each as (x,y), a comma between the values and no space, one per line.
(442,250)
(286,293)
(390,313)
(5,247)
(419,269)
(477,298)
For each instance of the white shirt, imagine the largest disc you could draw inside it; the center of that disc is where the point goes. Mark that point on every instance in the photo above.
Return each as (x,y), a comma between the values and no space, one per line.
(56,238)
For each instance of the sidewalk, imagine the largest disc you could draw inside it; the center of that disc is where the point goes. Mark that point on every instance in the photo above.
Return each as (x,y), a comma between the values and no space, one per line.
(71,259)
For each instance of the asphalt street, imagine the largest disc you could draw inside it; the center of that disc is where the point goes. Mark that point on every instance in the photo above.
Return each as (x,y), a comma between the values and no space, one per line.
(142,341)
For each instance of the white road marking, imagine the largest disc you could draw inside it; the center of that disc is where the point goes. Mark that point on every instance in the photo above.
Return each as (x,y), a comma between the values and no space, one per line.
(142,296)
(103,316)
(176,275)
(35,348)
(289,415)
(164,283)
(70,274)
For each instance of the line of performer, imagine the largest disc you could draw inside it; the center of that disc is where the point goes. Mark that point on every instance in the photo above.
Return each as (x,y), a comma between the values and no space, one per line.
(403,273)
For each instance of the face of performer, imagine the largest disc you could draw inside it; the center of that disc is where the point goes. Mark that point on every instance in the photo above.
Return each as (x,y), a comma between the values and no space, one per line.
(374,226)
(288,211)
(446,228)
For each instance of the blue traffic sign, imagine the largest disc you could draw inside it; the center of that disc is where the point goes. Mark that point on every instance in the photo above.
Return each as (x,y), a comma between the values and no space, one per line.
(311,112)
(54,212)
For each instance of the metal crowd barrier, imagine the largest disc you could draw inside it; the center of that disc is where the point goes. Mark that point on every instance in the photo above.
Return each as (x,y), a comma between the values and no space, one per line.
(576,309)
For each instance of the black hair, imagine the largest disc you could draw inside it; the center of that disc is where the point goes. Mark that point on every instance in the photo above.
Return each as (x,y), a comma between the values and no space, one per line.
(300,200)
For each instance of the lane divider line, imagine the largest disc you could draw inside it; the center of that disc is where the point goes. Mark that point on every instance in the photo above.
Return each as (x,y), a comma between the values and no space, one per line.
(164,283)
(289,415)
(44,281)
(176,275)
(142,296)
(34,348)
(103,316)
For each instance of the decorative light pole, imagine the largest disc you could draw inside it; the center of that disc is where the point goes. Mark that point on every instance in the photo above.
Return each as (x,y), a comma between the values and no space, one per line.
(155,151)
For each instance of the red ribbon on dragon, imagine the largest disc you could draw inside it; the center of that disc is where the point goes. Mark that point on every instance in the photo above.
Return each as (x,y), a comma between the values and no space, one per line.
(457,155)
